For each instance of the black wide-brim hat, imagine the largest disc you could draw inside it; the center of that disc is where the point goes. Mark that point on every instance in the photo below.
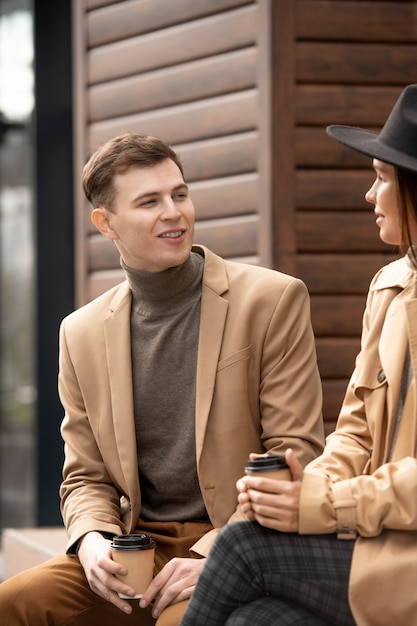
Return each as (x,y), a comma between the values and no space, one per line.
(396,143)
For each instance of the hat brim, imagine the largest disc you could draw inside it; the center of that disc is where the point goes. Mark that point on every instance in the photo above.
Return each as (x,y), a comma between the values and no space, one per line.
(367,142)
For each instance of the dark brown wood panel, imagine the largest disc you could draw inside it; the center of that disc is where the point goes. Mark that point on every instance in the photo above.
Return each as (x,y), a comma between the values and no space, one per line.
(358,105)
(333,393)
(337,232)
(336,356)
(121,20)
(326,189)
(283,113)
(194,40)
(337,315)
(371,64)
(225,115)
(218,75)
(356,21)
(339,273)
(315,149)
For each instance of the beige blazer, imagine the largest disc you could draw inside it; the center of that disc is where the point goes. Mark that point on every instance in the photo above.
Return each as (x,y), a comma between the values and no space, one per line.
(359,484)
(258,389)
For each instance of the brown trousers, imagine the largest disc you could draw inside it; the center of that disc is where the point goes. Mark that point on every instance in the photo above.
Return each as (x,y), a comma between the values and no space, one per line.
(57,592)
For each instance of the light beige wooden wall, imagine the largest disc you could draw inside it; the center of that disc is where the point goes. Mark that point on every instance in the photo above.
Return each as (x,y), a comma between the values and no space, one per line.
(190,72)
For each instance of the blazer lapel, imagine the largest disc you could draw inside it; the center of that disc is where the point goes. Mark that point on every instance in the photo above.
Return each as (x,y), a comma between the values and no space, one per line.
(212,321)
(119,366)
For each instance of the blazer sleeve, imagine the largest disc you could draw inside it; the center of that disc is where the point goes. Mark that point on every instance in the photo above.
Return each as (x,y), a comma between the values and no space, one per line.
(89,499)
(290,394)
(289,388)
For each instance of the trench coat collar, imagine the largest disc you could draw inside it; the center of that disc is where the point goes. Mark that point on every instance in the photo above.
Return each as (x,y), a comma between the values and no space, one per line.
(395,274)
(400,322)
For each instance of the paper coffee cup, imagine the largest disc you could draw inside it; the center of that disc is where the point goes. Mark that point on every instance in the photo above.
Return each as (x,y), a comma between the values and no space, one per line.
(136,553)
(271,466)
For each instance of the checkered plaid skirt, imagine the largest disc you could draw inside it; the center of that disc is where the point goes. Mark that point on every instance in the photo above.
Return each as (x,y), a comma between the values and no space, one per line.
(256,576)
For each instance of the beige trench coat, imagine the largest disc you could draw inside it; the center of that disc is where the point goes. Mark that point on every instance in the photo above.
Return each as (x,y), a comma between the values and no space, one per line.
(359,485)
(258,388)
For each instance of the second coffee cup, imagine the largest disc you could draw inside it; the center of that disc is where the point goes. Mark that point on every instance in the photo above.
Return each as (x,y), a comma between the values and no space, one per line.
(136,553)
(271,466)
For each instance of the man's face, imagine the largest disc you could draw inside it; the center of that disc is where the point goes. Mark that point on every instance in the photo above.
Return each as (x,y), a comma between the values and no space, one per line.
(152,222)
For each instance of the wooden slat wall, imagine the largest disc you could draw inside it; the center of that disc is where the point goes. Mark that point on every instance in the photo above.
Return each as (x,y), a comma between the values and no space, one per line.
(348,62)
(244,89)
(190,72)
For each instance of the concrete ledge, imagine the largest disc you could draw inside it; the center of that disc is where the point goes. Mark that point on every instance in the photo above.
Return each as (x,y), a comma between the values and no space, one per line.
(25,547)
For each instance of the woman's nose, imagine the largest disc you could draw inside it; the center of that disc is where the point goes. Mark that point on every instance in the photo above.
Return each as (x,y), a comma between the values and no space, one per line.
(370,195)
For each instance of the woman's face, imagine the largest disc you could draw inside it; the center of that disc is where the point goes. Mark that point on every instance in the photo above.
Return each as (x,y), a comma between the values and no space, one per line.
(383,195)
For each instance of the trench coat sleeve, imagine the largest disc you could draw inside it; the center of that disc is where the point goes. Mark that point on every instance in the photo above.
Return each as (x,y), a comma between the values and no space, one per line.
(340,492)
(365,504)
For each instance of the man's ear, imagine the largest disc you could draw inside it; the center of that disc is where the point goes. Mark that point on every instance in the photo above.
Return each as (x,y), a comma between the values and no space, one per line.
(101,219)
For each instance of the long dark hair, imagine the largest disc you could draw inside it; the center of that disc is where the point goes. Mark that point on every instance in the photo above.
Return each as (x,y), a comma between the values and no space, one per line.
(407,196)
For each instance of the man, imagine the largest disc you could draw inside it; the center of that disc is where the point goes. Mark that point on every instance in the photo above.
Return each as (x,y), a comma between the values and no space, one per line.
(168,381)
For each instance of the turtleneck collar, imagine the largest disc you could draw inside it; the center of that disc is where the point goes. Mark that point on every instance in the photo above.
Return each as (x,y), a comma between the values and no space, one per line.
(154,287)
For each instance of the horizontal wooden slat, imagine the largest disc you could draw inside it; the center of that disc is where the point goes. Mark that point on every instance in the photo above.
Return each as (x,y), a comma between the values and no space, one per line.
(339,273)
(314,148)
(205,78)
(98,4)
(99,282)
(229,237)
(225,197)
(344,104)
(128,19)
(336,356)
(102,254)
(337,315)
(179,44)
(356,21)
(370,64)
(337,232)
(224,115)
(227,156)
(333,189)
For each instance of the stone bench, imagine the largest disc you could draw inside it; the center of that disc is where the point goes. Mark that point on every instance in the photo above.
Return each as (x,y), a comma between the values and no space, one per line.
(25,547)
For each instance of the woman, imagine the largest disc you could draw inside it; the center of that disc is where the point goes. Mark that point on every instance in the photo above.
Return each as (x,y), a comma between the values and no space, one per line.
(346,550)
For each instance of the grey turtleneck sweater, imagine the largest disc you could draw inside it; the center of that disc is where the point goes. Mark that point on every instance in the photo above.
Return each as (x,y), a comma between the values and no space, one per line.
(164,322)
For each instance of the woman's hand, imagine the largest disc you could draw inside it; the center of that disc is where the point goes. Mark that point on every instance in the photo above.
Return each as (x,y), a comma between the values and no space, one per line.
(273,503)
(175,582)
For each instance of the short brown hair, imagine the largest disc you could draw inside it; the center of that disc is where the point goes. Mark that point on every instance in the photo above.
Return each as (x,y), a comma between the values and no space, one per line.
(116,156)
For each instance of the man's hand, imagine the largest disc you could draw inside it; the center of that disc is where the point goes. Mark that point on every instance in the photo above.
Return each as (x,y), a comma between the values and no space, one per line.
(273,503)
(175,582)
(95,556)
